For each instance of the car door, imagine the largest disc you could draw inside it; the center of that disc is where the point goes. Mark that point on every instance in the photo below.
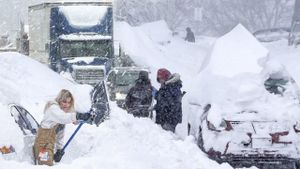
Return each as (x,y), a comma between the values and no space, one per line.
(24,119)
(100,103)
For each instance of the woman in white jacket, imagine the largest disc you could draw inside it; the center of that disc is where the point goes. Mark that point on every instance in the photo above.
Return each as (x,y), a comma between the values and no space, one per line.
(51,131)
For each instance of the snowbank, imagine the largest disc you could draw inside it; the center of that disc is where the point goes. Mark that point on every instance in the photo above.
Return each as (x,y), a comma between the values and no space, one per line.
(158,32)
(234,81)
(286,55)
(29,83)
(151,45)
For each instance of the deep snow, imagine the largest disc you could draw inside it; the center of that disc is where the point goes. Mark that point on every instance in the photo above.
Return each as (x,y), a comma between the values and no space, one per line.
(123,142)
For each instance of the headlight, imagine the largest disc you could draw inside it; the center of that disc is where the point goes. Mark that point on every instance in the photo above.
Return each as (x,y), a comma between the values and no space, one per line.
(120,96)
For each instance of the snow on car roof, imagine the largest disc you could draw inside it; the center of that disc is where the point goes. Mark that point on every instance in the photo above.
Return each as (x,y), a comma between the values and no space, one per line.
(83,15)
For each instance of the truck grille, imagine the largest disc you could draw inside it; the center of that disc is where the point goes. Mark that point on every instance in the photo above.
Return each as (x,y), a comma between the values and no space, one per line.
(88,76)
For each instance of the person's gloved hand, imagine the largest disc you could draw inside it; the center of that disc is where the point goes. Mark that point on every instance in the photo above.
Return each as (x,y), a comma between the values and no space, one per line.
(83,116)
(58,155)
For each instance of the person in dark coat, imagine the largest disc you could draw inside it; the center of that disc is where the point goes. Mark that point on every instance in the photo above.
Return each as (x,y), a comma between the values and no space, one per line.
(168,100)
(189,35)
(139,97)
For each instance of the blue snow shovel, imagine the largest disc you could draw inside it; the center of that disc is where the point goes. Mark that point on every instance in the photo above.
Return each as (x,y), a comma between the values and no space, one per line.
(59,154)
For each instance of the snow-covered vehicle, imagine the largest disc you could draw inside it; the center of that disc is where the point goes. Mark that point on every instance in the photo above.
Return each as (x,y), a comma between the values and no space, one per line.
(119,82)
(273,34)
(74,37)
(246,114)
(246,138)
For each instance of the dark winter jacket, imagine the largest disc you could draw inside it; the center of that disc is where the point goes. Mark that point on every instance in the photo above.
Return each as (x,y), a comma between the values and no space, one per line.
(190,36)
(139,98)
(168,107)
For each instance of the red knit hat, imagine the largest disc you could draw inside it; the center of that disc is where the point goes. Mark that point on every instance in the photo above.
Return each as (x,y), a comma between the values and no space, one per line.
(163,74)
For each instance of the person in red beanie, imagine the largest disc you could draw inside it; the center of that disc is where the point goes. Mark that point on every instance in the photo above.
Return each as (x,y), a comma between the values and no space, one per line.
(168,100)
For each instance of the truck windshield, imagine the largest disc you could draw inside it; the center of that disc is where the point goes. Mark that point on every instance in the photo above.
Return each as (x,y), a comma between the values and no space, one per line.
(101,48)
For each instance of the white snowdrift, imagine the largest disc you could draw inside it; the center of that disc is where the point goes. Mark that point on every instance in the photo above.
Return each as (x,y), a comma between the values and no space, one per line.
(235,52)
(234,81)
(29,83)
(152,45)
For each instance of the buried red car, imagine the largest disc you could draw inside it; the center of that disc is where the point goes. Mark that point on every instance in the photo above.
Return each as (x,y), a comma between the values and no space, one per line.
(257,126)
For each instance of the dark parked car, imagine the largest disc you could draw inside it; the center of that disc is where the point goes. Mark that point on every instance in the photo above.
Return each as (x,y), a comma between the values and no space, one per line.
(272,34)
(120,80)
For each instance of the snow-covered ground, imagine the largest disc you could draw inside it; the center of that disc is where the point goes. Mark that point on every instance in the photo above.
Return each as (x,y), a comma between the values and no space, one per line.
(122,142)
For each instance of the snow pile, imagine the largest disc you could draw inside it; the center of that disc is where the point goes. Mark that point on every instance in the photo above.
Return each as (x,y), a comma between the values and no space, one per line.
(27,82)
(286,55)
(149,48)
(235,52)
(234,81)
(158,32)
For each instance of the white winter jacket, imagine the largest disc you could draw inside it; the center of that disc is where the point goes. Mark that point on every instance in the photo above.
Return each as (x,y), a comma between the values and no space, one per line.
(54,115)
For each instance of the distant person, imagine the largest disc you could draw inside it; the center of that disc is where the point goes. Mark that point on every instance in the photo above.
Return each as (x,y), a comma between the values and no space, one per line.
(168,100)
(25,44)
(189,35)
(50,134)
(139,98)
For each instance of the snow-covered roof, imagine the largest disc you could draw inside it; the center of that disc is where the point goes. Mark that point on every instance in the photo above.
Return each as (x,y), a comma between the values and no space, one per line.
(236,52)
(84,37)
(84,15)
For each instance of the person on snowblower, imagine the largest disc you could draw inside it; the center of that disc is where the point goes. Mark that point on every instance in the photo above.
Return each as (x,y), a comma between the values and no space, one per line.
(51,131)
(168,100)
(139,97)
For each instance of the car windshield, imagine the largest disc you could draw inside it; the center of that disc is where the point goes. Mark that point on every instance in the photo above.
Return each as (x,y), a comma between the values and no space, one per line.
(126,78)
(99,48)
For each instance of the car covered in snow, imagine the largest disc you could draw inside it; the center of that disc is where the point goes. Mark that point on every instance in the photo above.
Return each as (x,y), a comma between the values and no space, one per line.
(247,112)
(272,34)
(119,82)
(250,136)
